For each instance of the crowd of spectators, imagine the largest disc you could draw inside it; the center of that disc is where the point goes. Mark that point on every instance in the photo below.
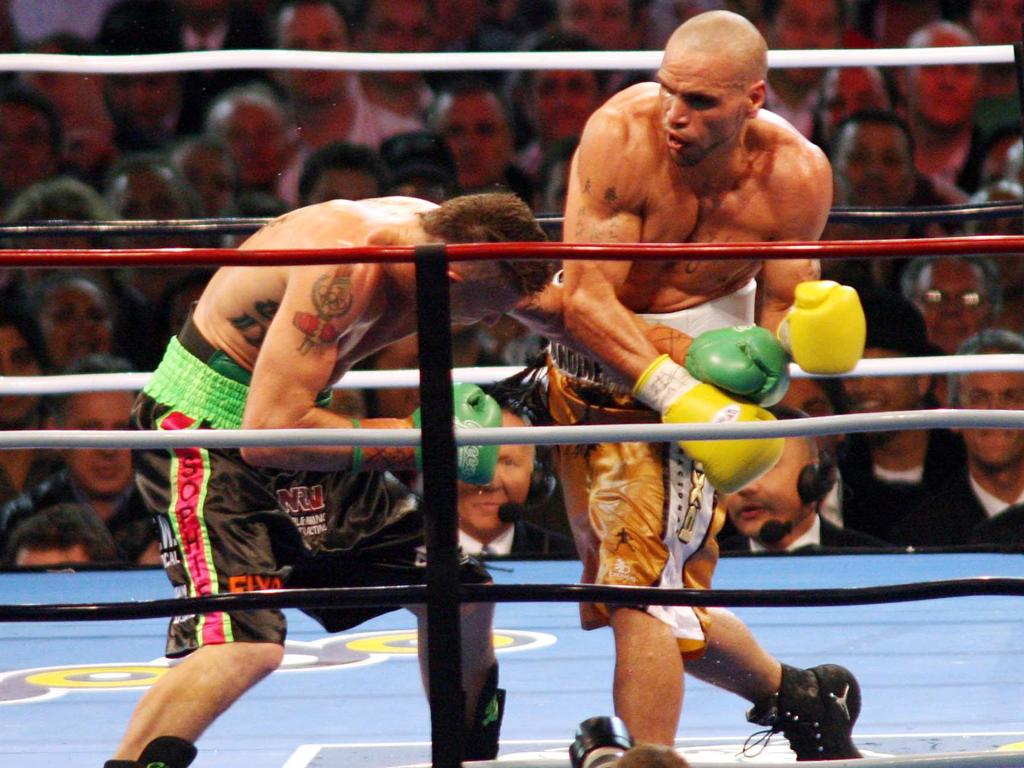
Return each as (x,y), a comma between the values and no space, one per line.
(256,143)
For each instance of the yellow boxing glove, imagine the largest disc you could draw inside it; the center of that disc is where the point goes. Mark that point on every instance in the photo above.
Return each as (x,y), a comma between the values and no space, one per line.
(824,330)
(681,399)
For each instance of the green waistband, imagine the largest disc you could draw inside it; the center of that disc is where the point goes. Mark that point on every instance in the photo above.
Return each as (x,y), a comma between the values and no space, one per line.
(186,383)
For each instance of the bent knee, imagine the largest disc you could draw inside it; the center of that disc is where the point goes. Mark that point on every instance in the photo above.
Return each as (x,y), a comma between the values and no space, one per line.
(266,656)
(258,659)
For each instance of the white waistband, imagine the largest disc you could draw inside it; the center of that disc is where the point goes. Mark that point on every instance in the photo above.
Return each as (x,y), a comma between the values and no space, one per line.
(736,308)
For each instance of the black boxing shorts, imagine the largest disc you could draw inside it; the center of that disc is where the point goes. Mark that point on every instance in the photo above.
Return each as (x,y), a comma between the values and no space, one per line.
(229,527)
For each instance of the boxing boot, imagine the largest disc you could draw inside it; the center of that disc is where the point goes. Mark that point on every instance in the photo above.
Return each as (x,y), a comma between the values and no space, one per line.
(482,739)
(815,709)
(161,752)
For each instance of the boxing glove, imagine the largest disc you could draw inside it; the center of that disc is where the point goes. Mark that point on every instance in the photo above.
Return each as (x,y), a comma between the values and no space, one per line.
(472,408)
(668,388)
(746,360)
(824,330)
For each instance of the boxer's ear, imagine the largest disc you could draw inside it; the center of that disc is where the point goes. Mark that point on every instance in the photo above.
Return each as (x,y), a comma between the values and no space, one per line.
(757,96)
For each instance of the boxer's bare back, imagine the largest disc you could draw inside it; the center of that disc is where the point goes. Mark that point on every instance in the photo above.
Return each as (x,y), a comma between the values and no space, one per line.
(239,303)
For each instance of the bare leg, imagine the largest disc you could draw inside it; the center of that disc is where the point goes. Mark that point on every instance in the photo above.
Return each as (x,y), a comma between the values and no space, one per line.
(190,696)
(735,660)
(648,687)
(477,649)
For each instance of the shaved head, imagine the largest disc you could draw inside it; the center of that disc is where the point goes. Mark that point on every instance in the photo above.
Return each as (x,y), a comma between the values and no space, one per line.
(723,35)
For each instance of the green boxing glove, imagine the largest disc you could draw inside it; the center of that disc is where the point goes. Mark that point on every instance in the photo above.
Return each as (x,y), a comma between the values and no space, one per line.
(746,360)
(473,408)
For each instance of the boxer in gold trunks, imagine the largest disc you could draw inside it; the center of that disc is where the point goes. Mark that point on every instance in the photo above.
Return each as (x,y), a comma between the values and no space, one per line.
(691,158)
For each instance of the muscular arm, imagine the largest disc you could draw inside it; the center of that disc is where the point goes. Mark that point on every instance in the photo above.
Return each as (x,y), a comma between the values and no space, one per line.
(604,205)
(298,359)
(779,279)
(543,313)
(806,198)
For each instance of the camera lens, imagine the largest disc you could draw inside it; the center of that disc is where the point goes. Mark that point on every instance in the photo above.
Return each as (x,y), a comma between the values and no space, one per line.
(600,741)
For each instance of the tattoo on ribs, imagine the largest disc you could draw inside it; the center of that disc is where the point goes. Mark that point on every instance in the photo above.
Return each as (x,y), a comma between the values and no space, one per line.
(253,327)
(332,299)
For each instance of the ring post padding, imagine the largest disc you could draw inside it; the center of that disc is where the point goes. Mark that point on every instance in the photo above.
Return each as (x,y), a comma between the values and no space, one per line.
(437,445)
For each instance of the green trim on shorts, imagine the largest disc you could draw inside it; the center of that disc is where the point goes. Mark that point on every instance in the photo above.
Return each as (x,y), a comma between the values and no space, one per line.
(186,383)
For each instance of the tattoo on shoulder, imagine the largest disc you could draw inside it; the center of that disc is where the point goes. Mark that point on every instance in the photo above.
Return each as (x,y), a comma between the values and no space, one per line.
(581,217)
(332,299)
(253,326)
(610,195)
(586,187)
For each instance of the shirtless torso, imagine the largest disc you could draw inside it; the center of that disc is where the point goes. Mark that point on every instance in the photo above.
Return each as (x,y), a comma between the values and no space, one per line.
(626,185)
(239,303)
(299,329)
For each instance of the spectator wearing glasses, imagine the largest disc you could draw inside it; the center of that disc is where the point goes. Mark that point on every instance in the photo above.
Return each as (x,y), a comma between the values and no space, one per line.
(981,503)
(958,297)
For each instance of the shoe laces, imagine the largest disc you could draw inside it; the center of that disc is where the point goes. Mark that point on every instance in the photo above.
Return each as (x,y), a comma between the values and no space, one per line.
(757,742)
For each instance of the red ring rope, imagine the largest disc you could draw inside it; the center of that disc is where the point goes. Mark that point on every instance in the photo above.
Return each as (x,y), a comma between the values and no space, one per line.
(827,249)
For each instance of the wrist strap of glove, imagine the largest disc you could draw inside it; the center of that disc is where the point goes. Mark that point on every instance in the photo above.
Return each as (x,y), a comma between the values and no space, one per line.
(664,382)
(357,452)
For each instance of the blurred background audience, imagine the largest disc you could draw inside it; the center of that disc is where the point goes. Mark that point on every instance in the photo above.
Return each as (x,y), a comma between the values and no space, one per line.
(256,143)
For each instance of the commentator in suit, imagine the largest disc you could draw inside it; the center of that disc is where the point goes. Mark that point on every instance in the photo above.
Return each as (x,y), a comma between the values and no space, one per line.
(779,512)
(491,516)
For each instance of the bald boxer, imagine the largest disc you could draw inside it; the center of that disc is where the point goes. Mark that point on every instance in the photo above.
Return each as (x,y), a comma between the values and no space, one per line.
(261,349)
(691,158)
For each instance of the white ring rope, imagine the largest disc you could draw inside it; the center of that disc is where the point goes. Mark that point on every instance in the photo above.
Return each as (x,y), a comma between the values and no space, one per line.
(409,377)
(502,60)
(648,433)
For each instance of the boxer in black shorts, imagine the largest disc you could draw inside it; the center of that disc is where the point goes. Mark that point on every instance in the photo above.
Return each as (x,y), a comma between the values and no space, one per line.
(249,528)
(261,347)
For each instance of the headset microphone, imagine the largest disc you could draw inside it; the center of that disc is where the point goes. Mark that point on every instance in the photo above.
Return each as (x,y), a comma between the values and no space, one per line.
(510,512)
(542,487)
(773,531)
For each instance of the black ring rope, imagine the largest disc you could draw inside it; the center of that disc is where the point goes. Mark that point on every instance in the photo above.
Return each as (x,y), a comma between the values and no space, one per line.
(244,226)
(398,596)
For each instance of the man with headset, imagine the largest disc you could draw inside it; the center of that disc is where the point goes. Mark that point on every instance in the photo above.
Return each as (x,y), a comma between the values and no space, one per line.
(779,511)
(494,517)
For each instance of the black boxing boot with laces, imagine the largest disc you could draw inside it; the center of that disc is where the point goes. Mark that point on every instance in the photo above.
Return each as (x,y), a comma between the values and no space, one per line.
(815,709)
